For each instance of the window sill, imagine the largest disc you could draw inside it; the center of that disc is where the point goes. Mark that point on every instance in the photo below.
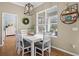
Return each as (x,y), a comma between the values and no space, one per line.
(54,36)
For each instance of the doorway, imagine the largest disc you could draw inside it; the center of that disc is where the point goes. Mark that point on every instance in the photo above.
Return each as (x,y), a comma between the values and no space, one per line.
(9,25)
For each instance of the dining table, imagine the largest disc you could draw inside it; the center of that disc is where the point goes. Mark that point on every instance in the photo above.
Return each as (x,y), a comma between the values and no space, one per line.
(33,39)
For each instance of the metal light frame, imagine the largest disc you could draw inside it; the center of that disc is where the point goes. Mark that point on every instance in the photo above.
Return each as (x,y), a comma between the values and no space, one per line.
(28,9)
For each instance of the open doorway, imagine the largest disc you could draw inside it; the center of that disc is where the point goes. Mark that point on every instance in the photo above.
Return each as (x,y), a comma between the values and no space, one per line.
(9,25)
(10,22)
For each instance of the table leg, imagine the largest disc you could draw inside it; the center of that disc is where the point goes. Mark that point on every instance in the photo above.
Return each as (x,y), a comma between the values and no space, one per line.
(32,49)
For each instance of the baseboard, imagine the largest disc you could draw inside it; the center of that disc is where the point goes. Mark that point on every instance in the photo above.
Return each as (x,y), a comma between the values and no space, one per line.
(65,51)
(1,45)
(10,35)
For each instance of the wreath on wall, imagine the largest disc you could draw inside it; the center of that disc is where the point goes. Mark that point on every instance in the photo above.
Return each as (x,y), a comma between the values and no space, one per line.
(25,21)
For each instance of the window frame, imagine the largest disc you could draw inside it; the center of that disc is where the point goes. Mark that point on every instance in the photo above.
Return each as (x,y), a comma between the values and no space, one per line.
(47,26)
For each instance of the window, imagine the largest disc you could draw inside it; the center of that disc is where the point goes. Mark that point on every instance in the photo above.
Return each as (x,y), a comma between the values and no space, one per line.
(47,21)
(53,25)
(40,22)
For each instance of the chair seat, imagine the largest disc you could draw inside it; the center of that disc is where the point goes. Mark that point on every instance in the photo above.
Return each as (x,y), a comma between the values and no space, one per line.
(39,44)
(26,43)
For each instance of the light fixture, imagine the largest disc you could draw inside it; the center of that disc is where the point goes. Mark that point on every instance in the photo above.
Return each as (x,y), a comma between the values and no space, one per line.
(28,9)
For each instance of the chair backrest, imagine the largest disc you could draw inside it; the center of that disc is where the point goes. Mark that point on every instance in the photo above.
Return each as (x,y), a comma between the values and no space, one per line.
(17,35)
(23,32)
(21,43)
(17,38)
(46,38)
(21,39)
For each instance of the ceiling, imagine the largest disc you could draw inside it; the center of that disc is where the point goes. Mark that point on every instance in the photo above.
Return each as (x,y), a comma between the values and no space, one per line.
(36,4)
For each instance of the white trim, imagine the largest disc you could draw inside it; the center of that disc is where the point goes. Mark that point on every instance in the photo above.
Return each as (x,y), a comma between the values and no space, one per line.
(24,5)
(39,4)
(3,23)
(65,51)
(46,17)
(55,6)
(36,23)
(1,45)
(37,19)
(2,28)
(17,4)
(41,11)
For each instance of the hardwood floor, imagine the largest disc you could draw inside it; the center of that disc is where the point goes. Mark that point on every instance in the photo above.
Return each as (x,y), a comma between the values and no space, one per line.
(9,48)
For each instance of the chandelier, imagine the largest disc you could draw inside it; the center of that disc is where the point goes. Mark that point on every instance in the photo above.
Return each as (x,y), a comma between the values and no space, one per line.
(28,9)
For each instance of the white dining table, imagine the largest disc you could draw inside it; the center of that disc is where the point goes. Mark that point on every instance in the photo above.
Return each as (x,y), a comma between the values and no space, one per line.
(33,39)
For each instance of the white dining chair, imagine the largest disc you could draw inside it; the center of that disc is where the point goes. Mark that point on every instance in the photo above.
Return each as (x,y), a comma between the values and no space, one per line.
(17,41)
(23,31)
(24,45)
(44,45)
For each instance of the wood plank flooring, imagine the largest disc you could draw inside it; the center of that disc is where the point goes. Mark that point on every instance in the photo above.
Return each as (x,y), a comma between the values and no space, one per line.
(9,48)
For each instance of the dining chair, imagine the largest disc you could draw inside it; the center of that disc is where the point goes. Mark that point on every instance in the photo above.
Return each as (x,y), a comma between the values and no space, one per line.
(44,45)
(23,31)
(17,41)
(24,45)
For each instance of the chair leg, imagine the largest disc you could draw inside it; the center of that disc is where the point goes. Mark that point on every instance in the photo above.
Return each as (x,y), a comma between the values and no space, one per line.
(35,51)
(42,53)
(18,51)
(22,52)
(49,50)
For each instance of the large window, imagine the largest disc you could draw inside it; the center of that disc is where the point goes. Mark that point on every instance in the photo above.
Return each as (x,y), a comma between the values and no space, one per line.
(40,22)
(47,21)
(52,25)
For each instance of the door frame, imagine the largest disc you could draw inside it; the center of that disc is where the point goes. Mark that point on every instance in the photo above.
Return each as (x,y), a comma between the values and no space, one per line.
(3,13)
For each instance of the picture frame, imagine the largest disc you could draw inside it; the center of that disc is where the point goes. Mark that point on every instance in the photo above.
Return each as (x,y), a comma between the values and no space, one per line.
(70,14)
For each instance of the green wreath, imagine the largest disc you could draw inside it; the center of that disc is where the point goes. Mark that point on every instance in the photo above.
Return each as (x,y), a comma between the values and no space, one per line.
(25,21)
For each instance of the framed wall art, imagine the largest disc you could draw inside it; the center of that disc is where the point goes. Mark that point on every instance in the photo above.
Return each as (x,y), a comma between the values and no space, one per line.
(70,14)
